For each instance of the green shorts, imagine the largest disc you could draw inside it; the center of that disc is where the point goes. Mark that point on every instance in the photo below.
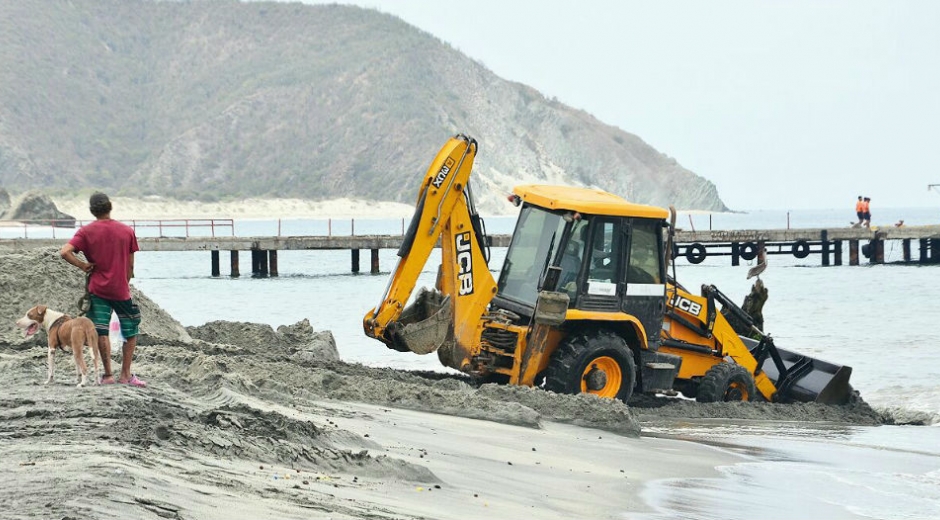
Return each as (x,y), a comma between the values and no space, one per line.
(127,312)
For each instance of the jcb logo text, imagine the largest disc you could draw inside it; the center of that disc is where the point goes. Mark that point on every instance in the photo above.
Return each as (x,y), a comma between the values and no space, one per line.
(442,175)
(464,263)
(686,305)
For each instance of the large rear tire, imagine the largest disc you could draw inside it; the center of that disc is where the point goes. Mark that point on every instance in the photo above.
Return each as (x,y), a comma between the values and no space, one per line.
(599,364)
(726,382)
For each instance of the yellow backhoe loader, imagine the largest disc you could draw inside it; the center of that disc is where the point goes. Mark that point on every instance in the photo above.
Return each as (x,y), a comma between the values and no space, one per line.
(583,302)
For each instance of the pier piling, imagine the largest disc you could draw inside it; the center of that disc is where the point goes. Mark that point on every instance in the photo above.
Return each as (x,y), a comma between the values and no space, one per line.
(877,251)
(259,263)
(375,261)
(355,260)
(234,264)
(263,263)
(272,262)
(215,263)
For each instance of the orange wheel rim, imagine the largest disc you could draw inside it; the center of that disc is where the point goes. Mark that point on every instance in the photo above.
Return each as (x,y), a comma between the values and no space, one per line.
(737,392)
(605,375)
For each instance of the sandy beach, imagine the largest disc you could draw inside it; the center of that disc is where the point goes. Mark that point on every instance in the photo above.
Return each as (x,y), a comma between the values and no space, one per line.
(151,208)
(243,421)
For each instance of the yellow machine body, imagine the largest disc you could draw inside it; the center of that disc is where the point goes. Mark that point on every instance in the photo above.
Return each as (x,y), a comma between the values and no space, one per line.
(583,302)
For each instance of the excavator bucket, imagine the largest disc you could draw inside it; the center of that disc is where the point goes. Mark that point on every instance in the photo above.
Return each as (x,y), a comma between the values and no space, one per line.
(424,325)
(802,378)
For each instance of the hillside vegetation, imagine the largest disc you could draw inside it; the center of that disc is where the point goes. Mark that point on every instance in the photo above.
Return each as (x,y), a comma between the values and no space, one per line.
(219,100)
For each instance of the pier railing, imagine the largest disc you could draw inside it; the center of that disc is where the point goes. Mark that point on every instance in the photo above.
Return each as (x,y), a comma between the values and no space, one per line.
(185,227)
(174,227)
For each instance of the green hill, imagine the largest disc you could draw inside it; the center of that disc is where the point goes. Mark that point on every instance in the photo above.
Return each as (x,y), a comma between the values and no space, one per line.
(223,100)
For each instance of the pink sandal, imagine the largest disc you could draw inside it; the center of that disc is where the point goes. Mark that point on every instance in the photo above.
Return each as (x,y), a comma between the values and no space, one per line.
(134,381)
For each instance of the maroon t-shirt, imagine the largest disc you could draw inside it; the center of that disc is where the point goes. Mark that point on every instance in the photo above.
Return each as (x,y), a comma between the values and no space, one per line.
(108,244)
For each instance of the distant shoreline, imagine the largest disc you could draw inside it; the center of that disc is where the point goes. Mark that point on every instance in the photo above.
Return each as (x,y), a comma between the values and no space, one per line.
(155,208)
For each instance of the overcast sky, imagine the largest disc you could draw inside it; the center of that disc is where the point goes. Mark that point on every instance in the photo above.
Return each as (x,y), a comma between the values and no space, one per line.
(783,105)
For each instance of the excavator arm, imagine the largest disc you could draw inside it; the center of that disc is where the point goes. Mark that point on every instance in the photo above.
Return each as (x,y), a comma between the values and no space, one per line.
(703,337)
(444,213)
(695,329)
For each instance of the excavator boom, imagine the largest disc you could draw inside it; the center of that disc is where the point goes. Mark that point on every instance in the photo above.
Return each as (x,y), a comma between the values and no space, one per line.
(444,213)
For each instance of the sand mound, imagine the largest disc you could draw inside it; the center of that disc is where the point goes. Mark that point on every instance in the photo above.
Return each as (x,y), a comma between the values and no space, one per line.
(857,411)
(40,277)
(255,361)
(299,339)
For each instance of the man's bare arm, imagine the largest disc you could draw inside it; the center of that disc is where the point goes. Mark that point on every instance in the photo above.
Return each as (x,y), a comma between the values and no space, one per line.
(68,253)
(130,267)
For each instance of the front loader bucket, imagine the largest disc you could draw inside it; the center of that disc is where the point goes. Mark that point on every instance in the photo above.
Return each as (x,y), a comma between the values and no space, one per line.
(807,379)
(424,325)
(813,380)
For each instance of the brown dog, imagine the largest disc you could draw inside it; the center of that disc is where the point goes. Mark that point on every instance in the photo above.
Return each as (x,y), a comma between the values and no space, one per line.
(62,330)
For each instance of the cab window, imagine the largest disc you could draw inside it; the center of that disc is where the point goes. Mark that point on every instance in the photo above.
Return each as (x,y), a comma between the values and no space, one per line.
(645,260)
(571,257)
(537,235)
(604,253)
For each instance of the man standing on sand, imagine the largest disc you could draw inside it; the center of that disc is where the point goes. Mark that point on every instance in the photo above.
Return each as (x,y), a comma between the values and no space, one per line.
(109,247)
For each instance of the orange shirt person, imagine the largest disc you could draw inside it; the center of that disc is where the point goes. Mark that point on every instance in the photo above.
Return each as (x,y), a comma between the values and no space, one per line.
(866,211)
(860,211)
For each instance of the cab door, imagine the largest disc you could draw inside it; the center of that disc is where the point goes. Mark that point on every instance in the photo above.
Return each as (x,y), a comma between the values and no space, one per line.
(601,289)
(644,295)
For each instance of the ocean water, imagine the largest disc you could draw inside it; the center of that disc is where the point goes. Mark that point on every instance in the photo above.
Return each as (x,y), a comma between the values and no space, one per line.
(882,320)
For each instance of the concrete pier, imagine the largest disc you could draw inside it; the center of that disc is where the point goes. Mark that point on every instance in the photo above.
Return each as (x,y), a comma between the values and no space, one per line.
(691,246)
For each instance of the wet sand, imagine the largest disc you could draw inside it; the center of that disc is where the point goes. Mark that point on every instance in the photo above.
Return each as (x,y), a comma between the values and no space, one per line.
(244,421)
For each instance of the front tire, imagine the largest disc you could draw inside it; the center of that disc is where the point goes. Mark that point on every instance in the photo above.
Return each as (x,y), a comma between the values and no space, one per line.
(726,382)
(599,364)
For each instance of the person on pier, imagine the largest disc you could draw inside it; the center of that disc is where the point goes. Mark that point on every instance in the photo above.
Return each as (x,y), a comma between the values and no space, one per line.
(866,208)
(859,212)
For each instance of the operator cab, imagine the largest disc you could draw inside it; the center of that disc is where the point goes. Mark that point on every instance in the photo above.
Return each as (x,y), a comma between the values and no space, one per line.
(608,264)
